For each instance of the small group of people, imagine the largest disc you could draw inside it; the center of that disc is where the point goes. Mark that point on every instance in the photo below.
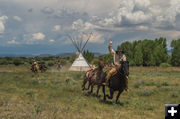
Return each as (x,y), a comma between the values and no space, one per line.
(118,57)
(42,67)
(35,67)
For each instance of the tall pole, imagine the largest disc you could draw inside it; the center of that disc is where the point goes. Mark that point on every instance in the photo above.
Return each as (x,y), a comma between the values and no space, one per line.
(86,41)
(74,43)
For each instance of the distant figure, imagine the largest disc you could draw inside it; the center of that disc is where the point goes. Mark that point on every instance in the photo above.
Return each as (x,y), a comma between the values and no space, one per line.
(34,67)
(42,67)
(58,65)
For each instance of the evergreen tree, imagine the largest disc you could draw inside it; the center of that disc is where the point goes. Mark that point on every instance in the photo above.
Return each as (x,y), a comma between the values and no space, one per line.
(89,56)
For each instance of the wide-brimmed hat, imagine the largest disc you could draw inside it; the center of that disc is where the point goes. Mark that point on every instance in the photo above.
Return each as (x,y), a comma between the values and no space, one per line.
(119,51)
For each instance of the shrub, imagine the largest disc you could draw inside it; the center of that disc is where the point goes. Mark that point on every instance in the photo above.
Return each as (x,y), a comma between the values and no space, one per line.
(50,63)
(137,85)
(174,94)
(3,62)
(132,63)
(165,65)
(165,84)
(17,61)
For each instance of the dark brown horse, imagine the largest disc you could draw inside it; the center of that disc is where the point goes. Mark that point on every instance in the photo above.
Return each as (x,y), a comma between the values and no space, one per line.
(42,67)
(94,78)
(117,82)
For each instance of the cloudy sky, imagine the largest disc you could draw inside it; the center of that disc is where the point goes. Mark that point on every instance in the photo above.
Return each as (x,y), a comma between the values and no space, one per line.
(41,26)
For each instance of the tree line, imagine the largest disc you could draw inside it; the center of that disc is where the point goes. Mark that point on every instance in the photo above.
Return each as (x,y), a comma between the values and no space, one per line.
(151,52)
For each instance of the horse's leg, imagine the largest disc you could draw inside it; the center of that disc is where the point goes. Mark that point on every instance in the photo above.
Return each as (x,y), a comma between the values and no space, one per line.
(89,84)
(111,94)
(103,89)
(92,86)
(98,87)
(119,93)
(84,83)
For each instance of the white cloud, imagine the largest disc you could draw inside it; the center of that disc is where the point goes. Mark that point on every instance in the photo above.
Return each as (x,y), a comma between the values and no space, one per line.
(142,28)
(87,27)
(142,3)
(2,26)
(3,18)
(138,17)
(82,26)
(129,12)
(17,18)
(97,38)
(38,36)
(13,42)
(78,25)
(56,28)
(173,34)
(51,40)
(47,10)
(168,16)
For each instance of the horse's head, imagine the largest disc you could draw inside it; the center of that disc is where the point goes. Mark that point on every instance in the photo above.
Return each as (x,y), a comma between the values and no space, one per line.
(124,68)
(101,64)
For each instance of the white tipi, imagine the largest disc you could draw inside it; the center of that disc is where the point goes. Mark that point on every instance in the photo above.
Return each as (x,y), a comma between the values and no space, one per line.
(80,63)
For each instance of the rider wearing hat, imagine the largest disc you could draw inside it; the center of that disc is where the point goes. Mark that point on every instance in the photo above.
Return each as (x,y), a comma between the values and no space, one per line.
(118,56)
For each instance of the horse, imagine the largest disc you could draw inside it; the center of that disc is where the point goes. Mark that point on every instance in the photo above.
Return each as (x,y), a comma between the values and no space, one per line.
(42,68)
(94,78)
(117,82)
(87,77)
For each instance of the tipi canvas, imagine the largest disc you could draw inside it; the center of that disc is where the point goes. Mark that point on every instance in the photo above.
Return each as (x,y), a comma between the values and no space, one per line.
(79,64)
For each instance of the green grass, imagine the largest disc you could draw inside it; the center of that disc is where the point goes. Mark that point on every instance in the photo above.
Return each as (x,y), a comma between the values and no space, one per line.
(58,95)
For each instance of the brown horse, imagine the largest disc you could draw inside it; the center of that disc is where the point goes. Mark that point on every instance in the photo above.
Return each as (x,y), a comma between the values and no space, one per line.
(87,78)
(94,78)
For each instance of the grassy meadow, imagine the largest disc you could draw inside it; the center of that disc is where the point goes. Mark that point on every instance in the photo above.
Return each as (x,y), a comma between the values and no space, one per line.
(58,95)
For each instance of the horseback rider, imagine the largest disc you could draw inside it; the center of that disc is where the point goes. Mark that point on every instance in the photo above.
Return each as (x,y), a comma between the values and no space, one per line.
(34,66)
(58,65)
(118,56)
(93,69)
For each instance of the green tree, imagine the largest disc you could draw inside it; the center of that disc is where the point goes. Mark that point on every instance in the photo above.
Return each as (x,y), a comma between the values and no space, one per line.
(138,55)
(107,58)
(127,47)
(146,52)
(175,60)
(89,56)
(72,58)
